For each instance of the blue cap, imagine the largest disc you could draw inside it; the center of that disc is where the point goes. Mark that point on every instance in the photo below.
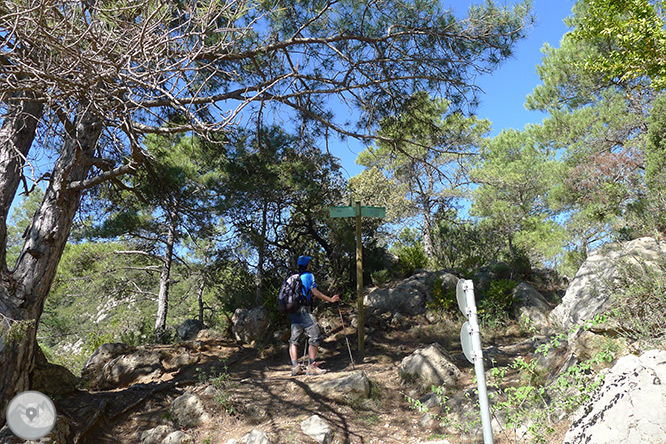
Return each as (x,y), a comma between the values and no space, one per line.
(303,261)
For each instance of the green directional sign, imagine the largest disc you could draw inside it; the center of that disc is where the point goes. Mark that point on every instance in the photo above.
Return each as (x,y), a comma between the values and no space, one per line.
(379,212)
(343,211)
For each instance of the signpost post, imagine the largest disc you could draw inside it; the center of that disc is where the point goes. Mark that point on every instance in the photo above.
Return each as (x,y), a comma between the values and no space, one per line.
(357,211)
(470,339)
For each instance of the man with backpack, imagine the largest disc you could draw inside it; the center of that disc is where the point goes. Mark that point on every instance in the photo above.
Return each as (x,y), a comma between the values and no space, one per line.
(304,322)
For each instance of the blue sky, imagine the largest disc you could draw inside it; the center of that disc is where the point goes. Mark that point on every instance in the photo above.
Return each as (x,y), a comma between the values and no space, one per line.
(506,89)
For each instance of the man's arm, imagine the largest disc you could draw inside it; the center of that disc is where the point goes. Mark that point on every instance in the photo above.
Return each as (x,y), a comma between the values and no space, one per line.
(319,295)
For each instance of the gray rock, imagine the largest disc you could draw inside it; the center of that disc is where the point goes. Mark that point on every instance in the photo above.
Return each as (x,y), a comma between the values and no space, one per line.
(588,294)
(155,435)
(408,296)
(318,429)
(346,389)
(189,329)
(256,437)
(629,407)
(101,356)
(530,304)
(432,365)
(178,437)
(124,370)
(250,325)
(188,411)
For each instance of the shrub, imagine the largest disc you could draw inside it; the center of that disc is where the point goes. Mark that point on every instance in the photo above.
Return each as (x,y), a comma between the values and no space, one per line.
(497,302)
(638,303)
(443,298)
(380,277)
(411,258)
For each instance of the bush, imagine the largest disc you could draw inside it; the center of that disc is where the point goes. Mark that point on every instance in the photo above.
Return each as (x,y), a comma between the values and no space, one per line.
(638,303)
(443,298)
(497,302)
(411,258)
(381,277)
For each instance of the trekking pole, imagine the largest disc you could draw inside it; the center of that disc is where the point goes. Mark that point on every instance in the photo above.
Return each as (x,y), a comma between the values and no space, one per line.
(346,340)
(305,354)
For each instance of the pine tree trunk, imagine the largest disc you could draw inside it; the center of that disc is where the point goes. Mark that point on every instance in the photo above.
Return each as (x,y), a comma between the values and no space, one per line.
(262,252)
(16,136)
(165,278)
(23,292)
(427,236)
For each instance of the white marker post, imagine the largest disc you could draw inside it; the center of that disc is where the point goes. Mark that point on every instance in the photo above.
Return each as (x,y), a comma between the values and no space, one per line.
(470,340)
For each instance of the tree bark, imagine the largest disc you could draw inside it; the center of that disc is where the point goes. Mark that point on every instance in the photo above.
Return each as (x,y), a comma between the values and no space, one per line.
(262,251)
(23,292)
(165,277)
(16,135)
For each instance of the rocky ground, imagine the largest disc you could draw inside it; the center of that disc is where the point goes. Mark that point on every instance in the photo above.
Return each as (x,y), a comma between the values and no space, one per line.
(245,388)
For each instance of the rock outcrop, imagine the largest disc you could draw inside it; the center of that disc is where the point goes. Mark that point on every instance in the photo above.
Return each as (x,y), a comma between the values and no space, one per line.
(588,294)
(629,407)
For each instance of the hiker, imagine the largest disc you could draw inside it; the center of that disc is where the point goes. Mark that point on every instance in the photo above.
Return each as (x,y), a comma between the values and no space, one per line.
(303,321)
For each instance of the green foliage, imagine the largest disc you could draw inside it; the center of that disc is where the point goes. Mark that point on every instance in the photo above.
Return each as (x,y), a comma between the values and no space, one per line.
(442,298)
(410,252)
(423,151)
(496,303)
(638,303)
(514,173)
(525,394)
(222,383)
(463,244)
(632,34)
(380,277)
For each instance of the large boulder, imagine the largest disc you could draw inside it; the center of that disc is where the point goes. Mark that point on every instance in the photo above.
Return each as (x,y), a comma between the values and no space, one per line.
(629,407)
(431,365)
(102,356)
(250,325)
(345,389)
(115,366)
(51,379)
(189,329)
(408,296)
(531,307)
(589,292)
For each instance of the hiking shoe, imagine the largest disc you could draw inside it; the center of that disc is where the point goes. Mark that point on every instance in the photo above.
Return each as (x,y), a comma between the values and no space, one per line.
(298,370)
(313,369)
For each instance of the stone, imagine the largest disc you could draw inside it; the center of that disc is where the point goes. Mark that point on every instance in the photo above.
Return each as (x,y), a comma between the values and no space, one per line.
(101,356)
(589,292)
(256,437)
(432,365)
(346,389)
(408,296)
(178,437)
(155,435)
(250,325)
(531,307)
(318,429)
(142,365)
(189,329)
(629,407)
(188,411)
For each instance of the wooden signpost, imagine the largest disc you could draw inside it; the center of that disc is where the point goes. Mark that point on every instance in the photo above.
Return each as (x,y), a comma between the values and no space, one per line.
(358,212)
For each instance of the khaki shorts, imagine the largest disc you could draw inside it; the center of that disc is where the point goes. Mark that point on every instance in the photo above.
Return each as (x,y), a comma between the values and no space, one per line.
(303,323)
